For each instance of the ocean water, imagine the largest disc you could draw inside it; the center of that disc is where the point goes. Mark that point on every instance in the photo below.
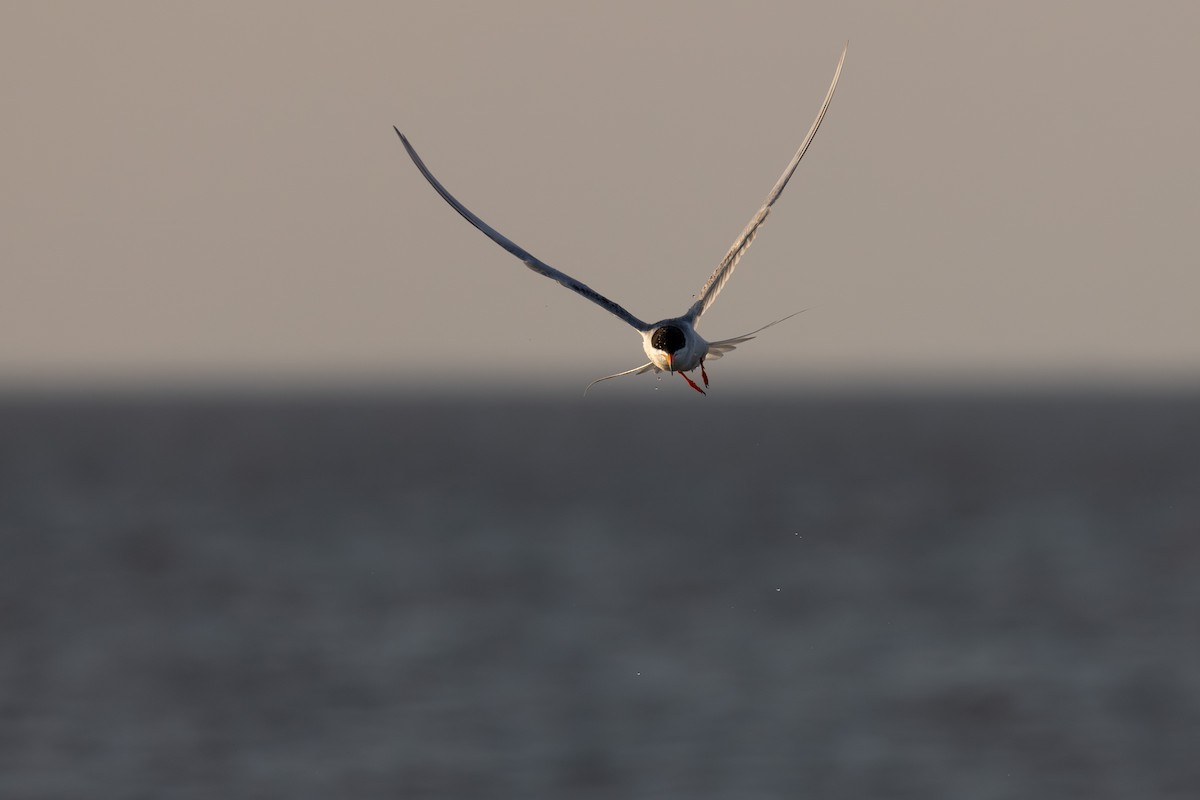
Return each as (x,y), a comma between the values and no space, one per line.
(815,596)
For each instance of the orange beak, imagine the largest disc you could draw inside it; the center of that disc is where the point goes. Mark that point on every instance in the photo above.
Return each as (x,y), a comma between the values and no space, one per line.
(670,362)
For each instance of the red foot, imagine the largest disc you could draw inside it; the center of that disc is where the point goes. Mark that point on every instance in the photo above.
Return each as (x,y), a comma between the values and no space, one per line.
(692,384)
(703,374)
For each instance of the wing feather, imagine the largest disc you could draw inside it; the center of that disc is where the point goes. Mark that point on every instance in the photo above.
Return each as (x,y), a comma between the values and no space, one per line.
(535,264)
(716,281)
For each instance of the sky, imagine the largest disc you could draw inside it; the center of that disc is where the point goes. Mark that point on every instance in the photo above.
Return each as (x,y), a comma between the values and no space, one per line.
(212,193)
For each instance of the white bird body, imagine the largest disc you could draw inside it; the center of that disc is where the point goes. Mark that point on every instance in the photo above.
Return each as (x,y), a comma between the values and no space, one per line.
(686,357)
(672,345)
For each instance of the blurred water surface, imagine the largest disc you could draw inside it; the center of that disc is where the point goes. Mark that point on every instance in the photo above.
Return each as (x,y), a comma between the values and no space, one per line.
(836,597)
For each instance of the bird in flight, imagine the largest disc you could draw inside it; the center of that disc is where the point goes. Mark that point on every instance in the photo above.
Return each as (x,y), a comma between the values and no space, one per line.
(672,345)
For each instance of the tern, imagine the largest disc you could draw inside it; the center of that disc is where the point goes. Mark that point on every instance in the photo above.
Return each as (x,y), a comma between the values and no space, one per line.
(672,345)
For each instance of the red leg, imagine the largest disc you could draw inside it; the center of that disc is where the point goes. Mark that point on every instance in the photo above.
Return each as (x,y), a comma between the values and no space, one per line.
(693,384)
(703,374)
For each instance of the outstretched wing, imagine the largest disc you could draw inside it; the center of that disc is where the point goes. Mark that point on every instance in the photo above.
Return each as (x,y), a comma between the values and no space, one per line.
(710,290)
(535,264)
(634,371)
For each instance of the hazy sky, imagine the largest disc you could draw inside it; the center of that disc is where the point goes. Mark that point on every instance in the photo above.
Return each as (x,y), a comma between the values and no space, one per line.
(1000,192)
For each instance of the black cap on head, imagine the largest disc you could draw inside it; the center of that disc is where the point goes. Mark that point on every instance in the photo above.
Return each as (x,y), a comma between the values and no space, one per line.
(668,338)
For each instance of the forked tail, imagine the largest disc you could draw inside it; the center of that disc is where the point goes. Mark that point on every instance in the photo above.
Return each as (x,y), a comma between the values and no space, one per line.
(718,349)
(634,371)
(715,351)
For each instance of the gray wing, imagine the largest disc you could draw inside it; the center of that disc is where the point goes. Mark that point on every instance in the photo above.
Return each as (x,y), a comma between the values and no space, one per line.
(535,264)
(710,290)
